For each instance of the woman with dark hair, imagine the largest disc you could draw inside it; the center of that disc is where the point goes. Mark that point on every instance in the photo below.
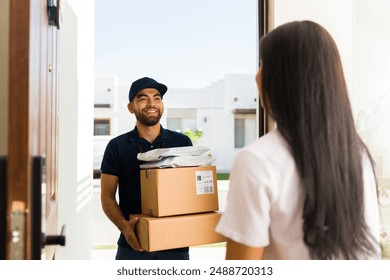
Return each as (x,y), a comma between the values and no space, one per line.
(306,190)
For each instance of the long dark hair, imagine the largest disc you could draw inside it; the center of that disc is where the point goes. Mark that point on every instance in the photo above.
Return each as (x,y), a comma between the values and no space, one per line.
(303,81)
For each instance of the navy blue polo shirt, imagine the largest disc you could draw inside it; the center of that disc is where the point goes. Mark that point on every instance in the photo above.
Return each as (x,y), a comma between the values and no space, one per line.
(120,159)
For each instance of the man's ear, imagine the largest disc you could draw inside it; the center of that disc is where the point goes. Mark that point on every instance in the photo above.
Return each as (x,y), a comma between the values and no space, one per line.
(130,107)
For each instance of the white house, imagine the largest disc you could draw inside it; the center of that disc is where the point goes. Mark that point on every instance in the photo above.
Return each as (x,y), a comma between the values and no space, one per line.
(225,112)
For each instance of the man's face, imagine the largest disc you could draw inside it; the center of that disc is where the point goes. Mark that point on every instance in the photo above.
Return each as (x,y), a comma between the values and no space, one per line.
(147,106)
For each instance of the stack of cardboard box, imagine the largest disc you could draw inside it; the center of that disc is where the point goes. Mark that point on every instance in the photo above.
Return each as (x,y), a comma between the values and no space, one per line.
(179,208)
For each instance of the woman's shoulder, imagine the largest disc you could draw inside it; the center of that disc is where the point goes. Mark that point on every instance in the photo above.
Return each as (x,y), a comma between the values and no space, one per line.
(269,145)
(270,153)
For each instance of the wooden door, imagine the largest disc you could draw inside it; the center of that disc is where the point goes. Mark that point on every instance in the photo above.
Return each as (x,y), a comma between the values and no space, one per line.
(32,129)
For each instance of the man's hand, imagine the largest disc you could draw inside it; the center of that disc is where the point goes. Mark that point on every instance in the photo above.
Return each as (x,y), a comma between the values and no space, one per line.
(129,232)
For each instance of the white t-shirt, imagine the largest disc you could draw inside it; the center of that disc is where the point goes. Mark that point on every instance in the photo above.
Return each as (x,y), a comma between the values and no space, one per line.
(265,201)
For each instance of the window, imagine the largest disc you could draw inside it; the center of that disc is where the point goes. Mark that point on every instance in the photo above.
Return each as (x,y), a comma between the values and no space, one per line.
(239,133)
(181,119)
(101,127)
(244,130)
(174,124)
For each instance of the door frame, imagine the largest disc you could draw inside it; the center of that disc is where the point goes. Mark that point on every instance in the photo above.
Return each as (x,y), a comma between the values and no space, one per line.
(265,24)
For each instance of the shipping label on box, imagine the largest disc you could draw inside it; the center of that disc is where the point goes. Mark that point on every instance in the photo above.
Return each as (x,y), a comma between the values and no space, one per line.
(179,191)
(204,182)
(162,233)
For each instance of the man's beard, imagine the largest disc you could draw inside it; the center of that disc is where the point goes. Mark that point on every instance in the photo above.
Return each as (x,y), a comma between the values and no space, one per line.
(148,121)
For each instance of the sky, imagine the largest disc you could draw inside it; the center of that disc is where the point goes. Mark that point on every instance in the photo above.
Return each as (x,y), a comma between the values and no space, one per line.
(182,43)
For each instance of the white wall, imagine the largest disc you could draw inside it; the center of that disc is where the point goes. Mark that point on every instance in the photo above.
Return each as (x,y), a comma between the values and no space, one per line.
(105,90)
(76,97)
(240,92)
(337,17)
(372,83)
(124,120)
(121,119)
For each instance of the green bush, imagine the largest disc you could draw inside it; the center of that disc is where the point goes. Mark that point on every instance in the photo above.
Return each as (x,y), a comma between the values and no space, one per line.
(193,135)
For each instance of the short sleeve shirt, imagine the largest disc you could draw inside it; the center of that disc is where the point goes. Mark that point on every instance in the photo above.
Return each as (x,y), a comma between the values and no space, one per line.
(265,200)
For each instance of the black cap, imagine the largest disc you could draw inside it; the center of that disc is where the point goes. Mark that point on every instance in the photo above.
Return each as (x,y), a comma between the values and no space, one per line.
(143,83)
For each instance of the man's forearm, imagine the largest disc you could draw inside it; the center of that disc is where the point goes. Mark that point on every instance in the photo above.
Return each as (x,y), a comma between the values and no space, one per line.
(114,213)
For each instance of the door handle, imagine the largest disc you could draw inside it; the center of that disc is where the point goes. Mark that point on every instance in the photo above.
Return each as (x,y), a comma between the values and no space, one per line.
(54,239)
(40,239)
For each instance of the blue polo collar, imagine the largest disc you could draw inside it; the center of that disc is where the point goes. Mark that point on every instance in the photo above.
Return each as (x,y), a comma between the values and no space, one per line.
(134,137)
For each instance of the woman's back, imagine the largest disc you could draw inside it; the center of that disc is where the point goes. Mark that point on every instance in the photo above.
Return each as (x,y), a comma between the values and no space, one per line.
(302,86)
(264,174)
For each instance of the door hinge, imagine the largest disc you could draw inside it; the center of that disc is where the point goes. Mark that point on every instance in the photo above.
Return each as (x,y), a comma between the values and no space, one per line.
(54,13)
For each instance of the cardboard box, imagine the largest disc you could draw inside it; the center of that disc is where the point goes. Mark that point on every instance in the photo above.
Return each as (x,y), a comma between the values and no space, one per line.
(179,191)
(155,234)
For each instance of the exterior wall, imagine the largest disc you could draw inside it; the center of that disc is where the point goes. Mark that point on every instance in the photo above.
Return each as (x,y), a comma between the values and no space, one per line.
(214,107)
(124,120)
(105,90)
(121,119)
(335,16)
(76,98)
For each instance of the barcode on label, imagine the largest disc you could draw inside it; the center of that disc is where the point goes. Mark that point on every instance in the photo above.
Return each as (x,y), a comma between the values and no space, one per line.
(208,190)
(204,182)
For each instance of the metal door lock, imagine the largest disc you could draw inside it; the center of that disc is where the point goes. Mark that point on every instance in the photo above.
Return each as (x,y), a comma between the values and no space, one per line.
(17,230)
